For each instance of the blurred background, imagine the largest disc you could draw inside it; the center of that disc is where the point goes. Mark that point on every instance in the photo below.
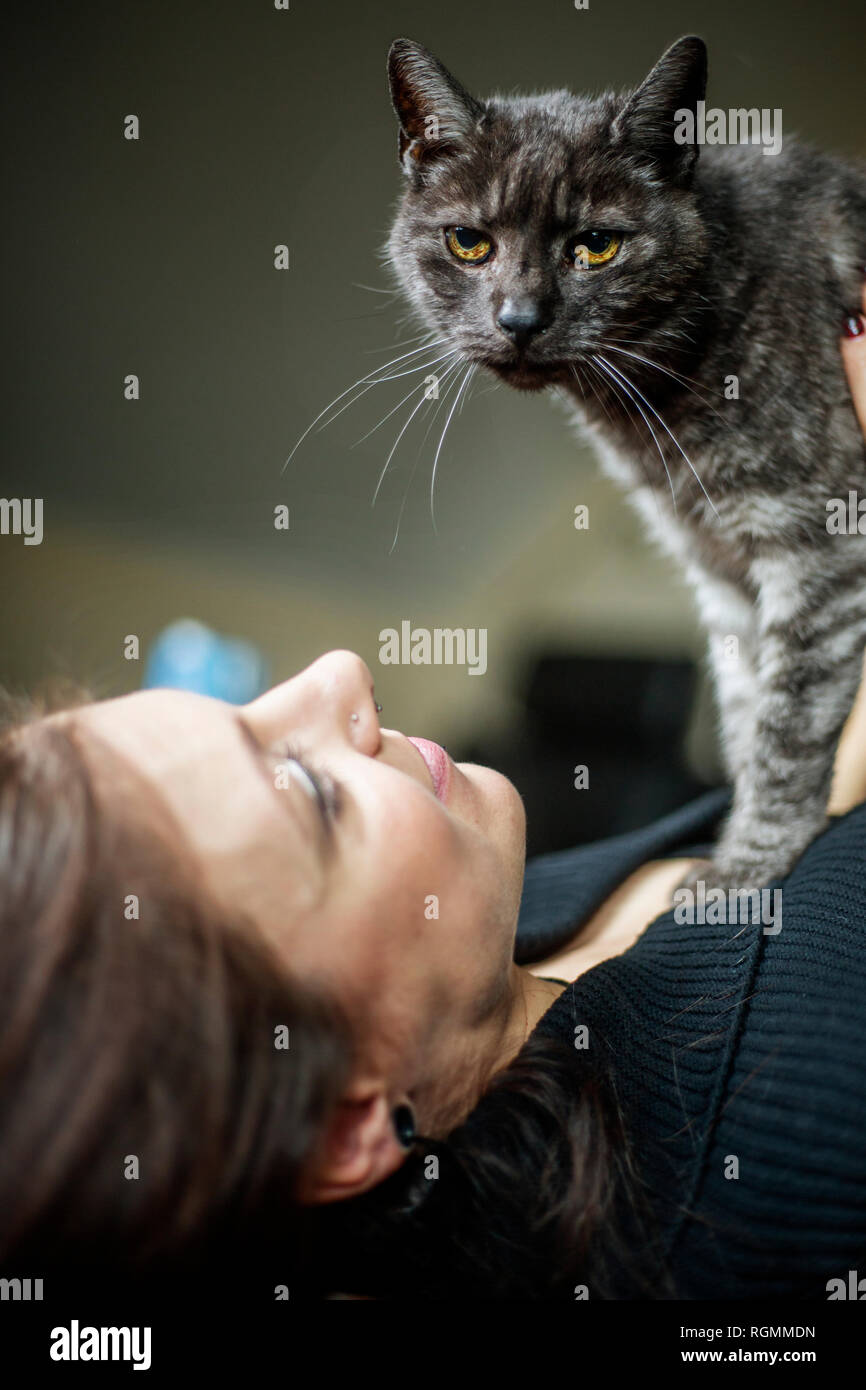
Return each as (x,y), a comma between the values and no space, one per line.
(156,257)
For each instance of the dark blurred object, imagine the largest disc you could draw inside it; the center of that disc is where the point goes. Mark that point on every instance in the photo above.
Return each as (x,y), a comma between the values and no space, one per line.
(624,720)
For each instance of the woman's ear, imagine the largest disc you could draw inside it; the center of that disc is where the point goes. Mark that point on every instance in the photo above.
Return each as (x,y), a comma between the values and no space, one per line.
(360,1147)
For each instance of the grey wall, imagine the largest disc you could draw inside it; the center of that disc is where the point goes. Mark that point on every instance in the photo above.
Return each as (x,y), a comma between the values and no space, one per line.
(155,257)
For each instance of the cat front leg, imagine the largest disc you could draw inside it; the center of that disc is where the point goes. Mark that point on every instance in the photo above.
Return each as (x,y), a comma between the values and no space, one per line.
(736,687)
(731,620)
(811,633)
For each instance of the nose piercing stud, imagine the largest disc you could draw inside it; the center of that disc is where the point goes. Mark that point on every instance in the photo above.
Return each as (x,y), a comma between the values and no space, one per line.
(354,718)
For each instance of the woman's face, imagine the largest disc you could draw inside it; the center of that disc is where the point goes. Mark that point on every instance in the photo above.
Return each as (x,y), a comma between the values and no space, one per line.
(387,879)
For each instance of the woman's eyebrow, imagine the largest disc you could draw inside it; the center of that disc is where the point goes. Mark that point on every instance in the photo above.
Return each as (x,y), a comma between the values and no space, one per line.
(257,752)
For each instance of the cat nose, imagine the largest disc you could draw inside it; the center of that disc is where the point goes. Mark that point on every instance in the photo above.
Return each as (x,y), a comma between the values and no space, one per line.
(521,319)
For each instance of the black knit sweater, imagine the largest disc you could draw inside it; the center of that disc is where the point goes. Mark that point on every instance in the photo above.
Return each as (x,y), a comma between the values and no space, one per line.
(727,1042)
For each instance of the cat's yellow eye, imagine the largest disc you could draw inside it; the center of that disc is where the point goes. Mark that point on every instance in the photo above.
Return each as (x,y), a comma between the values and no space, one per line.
(468,245)
(592,248)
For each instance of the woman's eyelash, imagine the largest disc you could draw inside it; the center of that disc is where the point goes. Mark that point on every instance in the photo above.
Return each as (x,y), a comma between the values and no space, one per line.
(327,790)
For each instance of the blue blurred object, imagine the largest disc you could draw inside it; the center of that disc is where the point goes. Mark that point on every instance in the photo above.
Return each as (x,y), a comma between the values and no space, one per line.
(189,656)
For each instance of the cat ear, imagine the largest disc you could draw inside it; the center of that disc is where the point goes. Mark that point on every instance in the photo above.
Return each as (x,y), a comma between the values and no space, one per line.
(648,120)
(437,116)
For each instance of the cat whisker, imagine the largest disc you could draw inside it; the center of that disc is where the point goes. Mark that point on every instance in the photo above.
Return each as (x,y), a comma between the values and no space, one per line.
(576,376)
(416,367)
(486,392)
(688,381)
(428,345)
(408,422)
(468,395)
(374,289)
(394,410)
(599,357)
(641,342)
(610,384)
(470,371)
(598,396)
(625,387)
(393,376)
(677,335)
(370,314)
(360,382)
(683,380)
(451,370)
(415,339)
(412,415)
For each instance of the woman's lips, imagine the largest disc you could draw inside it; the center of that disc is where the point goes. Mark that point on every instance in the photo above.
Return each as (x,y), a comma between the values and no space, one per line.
(438,765)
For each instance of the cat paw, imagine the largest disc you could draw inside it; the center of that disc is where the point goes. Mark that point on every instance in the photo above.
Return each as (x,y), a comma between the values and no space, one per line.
(727,875)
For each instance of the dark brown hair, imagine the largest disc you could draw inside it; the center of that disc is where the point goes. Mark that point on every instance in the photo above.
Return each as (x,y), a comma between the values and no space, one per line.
(536,1193)
(138,1024)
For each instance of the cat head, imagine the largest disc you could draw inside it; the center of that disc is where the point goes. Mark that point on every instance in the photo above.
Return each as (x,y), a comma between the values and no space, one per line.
(534,230)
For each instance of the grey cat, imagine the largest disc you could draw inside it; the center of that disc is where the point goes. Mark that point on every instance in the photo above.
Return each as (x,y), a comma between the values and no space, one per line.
(691,309)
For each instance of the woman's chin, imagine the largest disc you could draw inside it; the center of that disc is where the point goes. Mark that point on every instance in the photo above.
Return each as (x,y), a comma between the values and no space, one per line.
(496,807)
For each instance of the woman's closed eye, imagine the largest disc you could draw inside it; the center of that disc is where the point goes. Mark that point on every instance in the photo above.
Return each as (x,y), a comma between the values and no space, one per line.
(317,782)
(285,759)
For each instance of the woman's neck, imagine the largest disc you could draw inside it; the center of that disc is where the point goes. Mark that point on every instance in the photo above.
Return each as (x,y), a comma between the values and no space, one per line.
(531,997)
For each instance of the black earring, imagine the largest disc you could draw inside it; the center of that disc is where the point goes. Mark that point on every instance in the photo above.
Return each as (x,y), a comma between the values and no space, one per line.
(404,1124)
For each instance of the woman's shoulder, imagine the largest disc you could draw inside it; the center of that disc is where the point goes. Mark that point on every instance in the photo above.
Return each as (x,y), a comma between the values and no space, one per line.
(561,890)
(801,937)
(739,1029)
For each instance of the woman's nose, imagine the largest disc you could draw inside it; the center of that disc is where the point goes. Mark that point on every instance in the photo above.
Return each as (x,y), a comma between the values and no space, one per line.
(333,696)
(344,684)
(345,670)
